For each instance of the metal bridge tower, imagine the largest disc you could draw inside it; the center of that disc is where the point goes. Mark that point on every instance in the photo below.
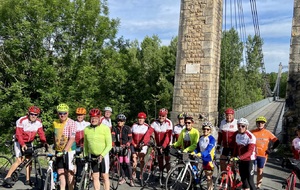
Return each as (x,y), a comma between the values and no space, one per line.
(196,85)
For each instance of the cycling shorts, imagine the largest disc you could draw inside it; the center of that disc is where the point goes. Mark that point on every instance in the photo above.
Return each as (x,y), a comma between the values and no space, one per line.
(207,165)
(166,152)
(103,167)
(66,161)
(18,149)
(227,151)
(260,161)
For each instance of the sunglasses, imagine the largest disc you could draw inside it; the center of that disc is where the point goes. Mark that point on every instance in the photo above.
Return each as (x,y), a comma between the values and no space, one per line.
(242,126)
(33,114)
(205,129)
(188,122)
(62,113)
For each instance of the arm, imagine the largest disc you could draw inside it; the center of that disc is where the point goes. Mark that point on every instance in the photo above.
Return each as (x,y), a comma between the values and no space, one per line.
(41,134)
(129,137)
(194,141)
(108,142)
(19,136)
(179,142)
(219,138)
(71,137)
(167,138)
(85,144)
(251,148)
(113,136)
(209,147)
(148,135)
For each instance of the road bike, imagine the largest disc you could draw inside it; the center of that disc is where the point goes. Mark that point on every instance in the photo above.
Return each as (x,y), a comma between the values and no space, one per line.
(5,161)
(51,181)
(86,174)
(114,170)
(230,178)
(290,181)
(181,176)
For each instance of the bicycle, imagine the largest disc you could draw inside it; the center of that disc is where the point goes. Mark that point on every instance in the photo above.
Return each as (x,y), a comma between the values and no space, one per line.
(86,174)
(6,162)
(290,181)
(229,179)
(114,169)
(37,167)
(51,181)
(182,175)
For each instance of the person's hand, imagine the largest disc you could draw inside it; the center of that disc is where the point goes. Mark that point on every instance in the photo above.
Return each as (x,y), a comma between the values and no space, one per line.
(234,159)
(59,154)
(185,151)
(24,147)
(269,151)
(100,159)
(198,155)
(161,149)
(193,153)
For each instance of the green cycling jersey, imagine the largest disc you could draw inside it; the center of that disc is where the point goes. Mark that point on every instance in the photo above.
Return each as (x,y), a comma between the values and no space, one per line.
(97,140)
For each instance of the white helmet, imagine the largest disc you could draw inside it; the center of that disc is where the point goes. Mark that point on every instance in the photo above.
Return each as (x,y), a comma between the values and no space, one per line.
(243,121)
(108,109)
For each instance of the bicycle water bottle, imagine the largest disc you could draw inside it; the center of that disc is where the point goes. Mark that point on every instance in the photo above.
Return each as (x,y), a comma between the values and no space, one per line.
(195,171)
(54,177)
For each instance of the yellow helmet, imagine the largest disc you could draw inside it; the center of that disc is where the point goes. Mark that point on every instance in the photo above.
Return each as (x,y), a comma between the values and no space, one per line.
(261,118)
(62,108)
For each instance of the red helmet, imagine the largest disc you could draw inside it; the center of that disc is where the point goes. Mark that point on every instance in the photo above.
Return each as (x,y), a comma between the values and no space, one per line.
(34,109)
(229,111)
(95,112)
(163,112)
(142,115)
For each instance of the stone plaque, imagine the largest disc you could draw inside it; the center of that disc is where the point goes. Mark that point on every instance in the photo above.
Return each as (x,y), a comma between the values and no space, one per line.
(192,68)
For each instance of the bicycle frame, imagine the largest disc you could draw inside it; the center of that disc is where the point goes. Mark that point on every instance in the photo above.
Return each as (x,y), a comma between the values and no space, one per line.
(50,170)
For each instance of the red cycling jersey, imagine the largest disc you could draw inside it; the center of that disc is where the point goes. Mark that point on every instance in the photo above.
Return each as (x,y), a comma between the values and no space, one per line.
(245,144)
(27,130)
(162,132)
(226,131)
(138,133)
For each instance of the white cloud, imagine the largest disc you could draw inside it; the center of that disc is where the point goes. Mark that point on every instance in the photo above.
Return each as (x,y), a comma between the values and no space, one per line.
(140,18)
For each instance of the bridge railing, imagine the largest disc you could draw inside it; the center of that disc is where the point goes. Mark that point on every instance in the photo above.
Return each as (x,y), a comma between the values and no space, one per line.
(247,110)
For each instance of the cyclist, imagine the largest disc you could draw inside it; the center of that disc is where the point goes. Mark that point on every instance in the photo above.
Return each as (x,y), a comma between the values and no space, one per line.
(65,145)
(26,129)
(137,147)
(178,128)
(188,137)
(81,124)
(296,145)
(206,150)
(162,128)
(122,138)
(106,119)
(263,137)
(98,143)
(227,128)
(245,151)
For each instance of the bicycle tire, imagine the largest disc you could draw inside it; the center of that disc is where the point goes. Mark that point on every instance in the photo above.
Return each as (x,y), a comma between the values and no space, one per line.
(47,185)
(291,182)
(85,180)
(222,181)
(114,173)
(5,164)
(146,172)
(172,180)
(38,184)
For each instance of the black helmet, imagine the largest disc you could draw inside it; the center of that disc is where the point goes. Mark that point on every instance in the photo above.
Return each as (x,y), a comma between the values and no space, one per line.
(298,127)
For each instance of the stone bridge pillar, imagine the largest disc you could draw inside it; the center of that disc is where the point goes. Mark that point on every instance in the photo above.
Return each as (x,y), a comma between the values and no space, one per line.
(196,85)
(292,114)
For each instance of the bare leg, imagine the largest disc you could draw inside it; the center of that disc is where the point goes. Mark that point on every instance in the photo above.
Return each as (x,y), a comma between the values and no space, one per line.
(96,181)
(28,170)
(259,176)
(62,178)
(71,180)
(14,166)
(106,182)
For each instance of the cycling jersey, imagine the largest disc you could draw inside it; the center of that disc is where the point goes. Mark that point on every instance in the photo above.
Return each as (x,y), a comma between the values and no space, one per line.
(26,130)
(121,135)
(63,131)
(296,147)
(263,137)
(189,143)
(106,121)
(138,133)
(97,140)
(226,131)
(176,131)
(206,146)
(80,126)
(162,132)
(244,146)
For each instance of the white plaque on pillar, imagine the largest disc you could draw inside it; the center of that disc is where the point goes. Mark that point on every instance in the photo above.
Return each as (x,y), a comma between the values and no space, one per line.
(192,68)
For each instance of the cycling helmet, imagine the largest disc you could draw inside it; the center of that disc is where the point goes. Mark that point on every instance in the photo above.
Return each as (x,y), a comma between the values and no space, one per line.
(261,118)
(243,121)
(95,112)
(62,108)
(163,112)
(207,124)
(181,115)
(34,109)
(108,109)
(229,111)
(81,111)
(142,115)
(188,117)
(121,117)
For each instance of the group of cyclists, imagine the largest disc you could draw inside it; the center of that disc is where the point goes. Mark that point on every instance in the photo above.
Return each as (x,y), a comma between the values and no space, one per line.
(98,137)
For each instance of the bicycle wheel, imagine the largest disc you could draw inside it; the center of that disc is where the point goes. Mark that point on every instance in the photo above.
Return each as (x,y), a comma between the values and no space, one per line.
(48,181)
(203,178)
(291,182)
(5,164)
(85,180)
(38,184)
(114,173)
(178,178)
(165,171)
(222,181)
(146,172)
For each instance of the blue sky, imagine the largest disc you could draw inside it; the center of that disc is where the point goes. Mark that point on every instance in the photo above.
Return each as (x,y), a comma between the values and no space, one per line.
(140,18)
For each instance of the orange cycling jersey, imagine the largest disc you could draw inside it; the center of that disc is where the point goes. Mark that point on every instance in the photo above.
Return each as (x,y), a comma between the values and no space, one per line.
(263,137)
